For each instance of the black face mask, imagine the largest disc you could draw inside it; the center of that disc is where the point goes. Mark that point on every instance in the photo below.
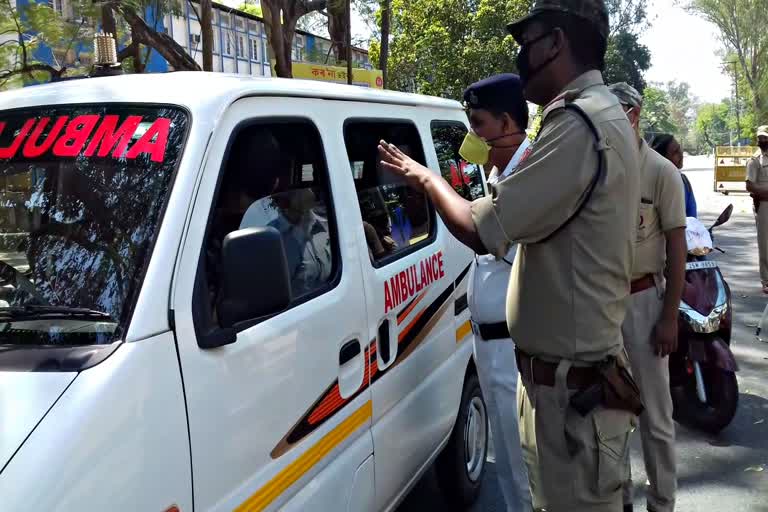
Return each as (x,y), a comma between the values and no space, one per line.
(524,63)
(763,146)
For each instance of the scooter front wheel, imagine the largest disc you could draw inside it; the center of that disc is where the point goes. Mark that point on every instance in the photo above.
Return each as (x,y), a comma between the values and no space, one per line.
(722,400)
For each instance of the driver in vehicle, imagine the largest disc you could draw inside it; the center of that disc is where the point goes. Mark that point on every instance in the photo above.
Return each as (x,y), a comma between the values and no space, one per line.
(264,198)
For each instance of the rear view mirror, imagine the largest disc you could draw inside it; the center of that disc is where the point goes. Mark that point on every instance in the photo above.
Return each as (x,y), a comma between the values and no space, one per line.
(724,217)
(255,278)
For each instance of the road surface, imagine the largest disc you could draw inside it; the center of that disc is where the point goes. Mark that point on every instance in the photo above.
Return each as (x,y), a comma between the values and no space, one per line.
(728,472)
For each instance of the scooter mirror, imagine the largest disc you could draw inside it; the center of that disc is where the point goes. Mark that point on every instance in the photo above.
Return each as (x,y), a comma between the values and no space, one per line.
(724,217)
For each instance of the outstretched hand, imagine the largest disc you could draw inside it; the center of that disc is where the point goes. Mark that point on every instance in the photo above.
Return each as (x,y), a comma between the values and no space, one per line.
(400,164)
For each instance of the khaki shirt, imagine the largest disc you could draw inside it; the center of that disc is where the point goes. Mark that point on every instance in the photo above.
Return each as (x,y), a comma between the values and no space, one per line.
(567,297)
(757,169)
(662,208)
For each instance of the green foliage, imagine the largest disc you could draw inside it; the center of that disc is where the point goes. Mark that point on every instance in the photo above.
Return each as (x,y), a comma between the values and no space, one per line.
(742,29)
(440,46)
(535,124)
(629,16)
(252,9)
(683,106)
(161,7)
(656,116)
(711,127)
(33,26)
(626,60)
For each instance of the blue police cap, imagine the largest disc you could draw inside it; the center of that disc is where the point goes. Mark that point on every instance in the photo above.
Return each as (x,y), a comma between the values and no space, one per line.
(500,93)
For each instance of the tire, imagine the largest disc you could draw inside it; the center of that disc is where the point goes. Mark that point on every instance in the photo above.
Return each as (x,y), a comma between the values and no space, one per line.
(461,465)
(722,401)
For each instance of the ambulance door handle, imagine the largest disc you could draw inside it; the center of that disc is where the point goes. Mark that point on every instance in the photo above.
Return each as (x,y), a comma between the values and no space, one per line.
(383,339)
(349,351)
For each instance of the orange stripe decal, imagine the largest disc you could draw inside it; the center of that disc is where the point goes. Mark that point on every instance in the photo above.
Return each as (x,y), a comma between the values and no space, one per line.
(402,316)
(408,327)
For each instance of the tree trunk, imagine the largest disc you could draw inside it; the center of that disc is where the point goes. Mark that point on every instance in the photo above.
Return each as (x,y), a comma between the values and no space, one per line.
(164,44)
(206,29)
(275,36)
(337,28)
(138,63)
(280,19)
(386,6)
(349,41)
(108,22)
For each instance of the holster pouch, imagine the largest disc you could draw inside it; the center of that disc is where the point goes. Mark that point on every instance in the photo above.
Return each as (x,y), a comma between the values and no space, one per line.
(620,390)
(585,400)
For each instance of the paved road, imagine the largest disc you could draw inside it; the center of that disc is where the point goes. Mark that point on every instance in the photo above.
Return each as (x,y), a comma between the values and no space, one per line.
(715,473)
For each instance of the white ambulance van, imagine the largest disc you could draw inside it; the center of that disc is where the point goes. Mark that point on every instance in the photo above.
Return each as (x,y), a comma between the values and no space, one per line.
(212,298)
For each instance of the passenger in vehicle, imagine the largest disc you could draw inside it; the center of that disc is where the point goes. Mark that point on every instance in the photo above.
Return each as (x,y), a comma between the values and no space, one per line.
(305,237)
(410,218)
(295,212)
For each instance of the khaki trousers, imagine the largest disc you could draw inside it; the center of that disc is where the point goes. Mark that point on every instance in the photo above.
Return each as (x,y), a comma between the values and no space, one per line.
(657,428)
(574,463)
(761,218)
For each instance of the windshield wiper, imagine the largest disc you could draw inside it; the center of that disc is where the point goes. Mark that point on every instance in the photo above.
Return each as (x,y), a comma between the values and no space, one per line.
(52,312)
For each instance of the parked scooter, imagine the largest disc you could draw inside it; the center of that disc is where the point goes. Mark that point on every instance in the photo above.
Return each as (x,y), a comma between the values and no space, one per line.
(702,370)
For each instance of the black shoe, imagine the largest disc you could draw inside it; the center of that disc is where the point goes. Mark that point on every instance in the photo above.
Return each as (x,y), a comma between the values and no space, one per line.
(628,508)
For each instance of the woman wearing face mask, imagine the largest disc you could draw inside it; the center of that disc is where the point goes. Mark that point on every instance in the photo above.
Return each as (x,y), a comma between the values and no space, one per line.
(668,147)
(498,114)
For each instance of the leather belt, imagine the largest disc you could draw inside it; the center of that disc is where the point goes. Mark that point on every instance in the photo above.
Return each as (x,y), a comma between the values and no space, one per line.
(543,373)
(490,332)
(642,284)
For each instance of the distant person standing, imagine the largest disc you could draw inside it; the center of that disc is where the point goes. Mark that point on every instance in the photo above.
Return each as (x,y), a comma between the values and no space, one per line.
(757,186)
(668,147)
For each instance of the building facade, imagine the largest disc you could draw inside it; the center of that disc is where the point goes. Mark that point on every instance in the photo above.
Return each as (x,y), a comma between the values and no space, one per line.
(239,45)
(240,41)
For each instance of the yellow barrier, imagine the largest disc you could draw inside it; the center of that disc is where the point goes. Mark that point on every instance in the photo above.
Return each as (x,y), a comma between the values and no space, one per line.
(731,166)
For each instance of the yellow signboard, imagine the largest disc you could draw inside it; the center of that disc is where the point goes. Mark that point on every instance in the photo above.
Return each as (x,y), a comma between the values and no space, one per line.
(731,165)
(362,77)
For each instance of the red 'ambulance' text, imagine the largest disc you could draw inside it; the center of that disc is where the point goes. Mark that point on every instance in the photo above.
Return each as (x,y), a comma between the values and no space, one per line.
(409,282)
(87,135)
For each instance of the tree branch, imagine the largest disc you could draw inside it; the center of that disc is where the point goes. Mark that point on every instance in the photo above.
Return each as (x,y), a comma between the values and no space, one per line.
(164,44)
(194,9)
(126,52)
(31,68)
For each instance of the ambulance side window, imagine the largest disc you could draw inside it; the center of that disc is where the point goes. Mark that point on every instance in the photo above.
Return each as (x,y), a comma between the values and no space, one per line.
(275,175)
(464,177)
(396,219)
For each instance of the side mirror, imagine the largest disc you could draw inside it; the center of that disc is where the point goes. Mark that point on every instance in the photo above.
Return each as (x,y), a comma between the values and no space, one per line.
(255,278)
(724,217)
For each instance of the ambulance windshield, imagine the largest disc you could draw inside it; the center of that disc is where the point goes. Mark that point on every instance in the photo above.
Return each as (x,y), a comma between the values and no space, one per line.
(82,191)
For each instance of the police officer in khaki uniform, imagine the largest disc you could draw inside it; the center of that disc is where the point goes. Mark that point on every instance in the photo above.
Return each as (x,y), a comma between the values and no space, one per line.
(572,206)
(757,186)
(650,329)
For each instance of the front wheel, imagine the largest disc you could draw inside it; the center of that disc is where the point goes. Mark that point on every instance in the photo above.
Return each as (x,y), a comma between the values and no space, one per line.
(461,466)
(722,392)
